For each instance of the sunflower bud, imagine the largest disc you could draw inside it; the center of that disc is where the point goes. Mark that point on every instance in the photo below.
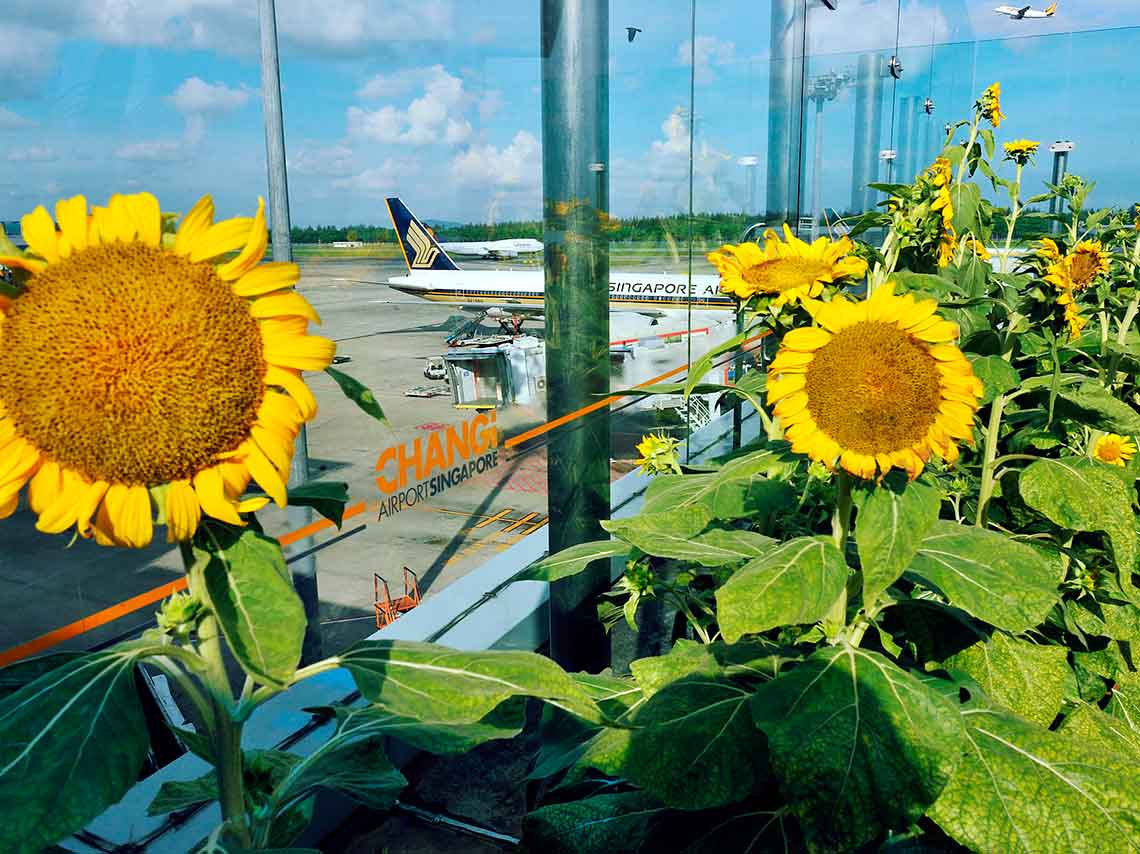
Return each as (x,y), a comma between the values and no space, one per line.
(180,615)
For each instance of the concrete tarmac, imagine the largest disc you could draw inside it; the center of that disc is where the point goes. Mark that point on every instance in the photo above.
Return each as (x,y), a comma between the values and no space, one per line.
(47,582)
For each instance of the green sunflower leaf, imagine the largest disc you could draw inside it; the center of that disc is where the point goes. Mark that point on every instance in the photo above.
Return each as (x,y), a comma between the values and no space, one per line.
(1083,495)
(358,393)
(892,519)
(326,497)
(860,746)
(573,560)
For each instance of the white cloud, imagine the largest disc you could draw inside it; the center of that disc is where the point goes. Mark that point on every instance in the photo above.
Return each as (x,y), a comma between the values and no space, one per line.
(382,180)
(158,151)
(27,58)
(435,116)
(710,51)
(327,160)
(490,104)
(33,154)
(195,95)
(13,121)
(398,83)
(516,166)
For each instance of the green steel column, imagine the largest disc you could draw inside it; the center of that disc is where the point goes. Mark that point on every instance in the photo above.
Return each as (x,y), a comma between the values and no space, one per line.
(575,164)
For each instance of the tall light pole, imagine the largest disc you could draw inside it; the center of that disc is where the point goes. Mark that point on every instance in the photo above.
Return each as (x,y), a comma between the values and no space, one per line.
(304,568)
(1061,149)
(821,89)
(749,162)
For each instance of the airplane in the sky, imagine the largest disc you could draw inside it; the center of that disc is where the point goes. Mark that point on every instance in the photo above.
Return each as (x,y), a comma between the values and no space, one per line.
(497,250)
(505,294)
(1019,13)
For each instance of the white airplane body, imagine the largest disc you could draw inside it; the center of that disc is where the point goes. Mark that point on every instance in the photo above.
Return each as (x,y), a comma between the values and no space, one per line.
(500,293)
(494,249)
(1019,13)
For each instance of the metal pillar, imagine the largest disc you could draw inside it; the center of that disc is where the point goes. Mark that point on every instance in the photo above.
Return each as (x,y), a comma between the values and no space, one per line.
(785,111)
(575,177)
(304,569)
(868,130)
(907,140)
(1060,150)
(817,172)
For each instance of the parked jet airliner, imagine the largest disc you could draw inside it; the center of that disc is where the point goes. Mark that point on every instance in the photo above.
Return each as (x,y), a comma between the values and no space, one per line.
(497,250)
(432,275)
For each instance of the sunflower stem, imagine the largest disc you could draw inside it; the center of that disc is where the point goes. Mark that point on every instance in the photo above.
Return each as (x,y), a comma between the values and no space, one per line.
(841,520)
(225,729)
(1014,212)
(969,148)
(988,464)
(1122,332)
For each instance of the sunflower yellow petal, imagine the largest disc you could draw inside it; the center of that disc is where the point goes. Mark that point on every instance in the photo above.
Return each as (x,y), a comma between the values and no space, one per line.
(783,386)
(806,339)
(8,507)
(860,465)
(194,225)
(306,353)
(119,225)
(291,381)
(264,473)
(253,251)
(211,492)
(183,512)
(146,216)
(61,513)
(226,236)
(72,217)
(39,233)
(45,486)
(89,503)
(252,505)
(285,304)
(266,278)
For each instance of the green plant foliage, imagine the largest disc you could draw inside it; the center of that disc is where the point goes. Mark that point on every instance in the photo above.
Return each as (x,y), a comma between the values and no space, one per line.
(617,823)
(858,744)
(694,745)
(436,683)
(1005,583)
(326,497)
(71,744)
(1013,768)
(1083,495)
(1029,679)
(572,561)
(997,375)
(672,525)
(892,519)
(251,594)
(359,394)
(796,582)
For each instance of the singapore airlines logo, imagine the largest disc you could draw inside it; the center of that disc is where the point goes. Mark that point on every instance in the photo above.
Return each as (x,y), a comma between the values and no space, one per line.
(424,254)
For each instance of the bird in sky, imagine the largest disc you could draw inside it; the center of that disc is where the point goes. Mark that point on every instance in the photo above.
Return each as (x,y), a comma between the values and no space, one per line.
(631,32)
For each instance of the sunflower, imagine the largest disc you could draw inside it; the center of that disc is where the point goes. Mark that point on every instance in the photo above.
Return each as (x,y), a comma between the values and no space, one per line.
(1072,312)
(976,246)
(145,373)
(790,271)
(990,105)
(1020,151)
(658,454)
(1078,270)
(1049,250)
(1114,449)
(947,246)
(876,384)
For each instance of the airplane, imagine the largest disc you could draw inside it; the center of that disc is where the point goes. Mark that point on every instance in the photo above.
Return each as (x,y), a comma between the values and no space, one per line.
(497,250)
(514,295)
(1018,13)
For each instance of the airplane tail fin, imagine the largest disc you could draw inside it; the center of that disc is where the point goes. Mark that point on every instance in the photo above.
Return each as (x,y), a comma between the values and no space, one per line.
(421,251)
(1051,9)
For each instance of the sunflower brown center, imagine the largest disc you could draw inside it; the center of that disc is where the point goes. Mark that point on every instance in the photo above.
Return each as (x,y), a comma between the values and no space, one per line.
(780,274)
(873,389)
(131,365)
(1083,269)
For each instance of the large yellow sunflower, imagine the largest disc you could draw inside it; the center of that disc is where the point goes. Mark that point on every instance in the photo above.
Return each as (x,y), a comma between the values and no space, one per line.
(876,384)
(788,269)
(145,375)
(1078,270)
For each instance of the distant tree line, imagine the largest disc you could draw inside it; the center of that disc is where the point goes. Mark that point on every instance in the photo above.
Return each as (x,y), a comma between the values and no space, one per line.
(707,229)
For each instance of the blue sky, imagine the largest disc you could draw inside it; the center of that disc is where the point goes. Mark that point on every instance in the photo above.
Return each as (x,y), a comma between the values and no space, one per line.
(439,101)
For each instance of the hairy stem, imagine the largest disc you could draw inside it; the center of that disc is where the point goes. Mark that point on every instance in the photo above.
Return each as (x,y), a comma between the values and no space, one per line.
(1014,211)
(225,734)
(988,464)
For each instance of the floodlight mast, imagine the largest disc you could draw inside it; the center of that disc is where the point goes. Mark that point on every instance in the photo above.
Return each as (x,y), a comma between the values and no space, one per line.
(1061,149)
